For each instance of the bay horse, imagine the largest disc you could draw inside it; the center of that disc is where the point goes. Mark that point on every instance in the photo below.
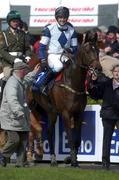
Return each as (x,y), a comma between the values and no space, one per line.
(68,98)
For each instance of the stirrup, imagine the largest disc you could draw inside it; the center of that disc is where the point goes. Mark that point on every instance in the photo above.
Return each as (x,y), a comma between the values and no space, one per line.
(44,91)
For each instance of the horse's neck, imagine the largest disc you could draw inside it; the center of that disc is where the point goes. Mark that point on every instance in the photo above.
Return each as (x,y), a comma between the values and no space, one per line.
(33,62)
(75,76)
(78,78)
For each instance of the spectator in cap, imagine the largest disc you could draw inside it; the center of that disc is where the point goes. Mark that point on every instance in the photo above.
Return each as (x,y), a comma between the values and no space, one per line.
(103,30)
(14,113)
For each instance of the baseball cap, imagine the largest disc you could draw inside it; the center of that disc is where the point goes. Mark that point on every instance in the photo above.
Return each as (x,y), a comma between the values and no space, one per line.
(20,66)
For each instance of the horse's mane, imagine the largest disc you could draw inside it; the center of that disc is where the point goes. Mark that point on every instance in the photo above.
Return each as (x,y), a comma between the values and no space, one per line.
(71,70)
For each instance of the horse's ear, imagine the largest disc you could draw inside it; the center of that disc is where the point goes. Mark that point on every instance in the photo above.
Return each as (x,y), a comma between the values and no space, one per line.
(90,36)
(80,37)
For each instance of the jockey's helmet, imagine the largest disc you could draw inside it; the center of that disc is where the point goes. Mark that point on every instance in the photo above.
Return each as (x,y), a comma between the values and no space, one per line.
(62,12)
(13,15)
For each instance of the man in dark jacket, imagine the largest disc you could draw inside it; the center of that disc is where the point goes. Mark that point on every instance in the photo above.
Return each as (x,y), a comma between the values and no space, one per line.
(107,90)
(13,45)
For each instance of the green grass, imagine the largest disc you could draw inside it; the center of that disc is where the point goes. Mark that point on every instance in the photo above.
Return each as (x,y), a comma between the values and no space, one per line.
(60,173)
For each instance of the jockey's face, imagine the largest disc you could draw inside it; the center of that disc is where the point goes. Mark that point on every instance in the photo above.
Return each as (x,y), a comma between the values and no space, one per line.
(62,21)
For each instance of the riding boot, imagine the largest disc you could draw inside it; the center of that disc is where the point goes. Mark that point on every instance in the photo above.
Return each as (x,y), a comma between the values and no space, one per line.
(41,81)
(48,77)
(2,85)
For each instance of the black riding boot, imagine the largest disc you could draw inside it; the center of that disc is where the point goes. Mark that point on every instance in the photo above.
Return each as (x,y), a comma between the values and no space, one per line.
(48,77)
(2,85)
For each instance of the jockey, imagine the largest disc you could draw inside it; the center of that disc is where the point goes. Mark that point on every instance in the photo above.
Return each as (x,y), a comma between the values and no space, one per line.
(56,37)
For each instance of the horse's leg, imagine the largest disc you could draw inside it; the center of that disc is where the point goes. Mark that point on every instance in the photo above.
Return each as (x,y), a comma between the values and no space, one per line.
(30,146)
(77,127)
(71,135)
(37,129)
(51,126)
(3,138)
(36,132)
(52,116)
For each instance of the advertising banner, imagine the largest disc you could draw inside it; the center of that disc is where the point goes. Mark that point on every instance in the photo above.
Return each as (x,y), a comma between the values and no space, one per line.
(91,139)
(75,8)
(83,21)
(81,14)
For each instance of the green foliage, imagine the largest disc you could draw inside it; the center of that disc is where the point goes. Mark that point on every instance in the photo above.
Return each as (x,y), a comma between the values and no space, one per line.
(92,101)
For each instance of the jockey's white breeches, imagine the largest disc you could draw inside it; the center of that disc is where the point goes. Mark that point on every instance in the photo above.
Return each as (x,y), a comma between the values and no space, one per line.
(55,62)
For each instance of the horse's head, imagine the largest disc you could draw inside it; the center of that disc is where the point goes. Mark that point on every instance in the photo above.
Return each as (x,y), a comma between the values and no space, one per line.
(88,60)
(87,56)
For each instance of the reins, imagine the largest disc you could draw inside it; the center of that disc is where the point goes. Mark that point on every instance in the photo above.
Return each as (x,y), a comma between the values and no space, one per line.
(72,90)
(91,70)
(82,66)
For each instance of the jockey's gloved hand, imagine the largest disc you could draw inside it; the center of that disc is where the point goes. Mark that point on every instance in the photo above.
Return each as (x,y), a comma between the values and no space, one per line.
(18,60)
(44,65)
